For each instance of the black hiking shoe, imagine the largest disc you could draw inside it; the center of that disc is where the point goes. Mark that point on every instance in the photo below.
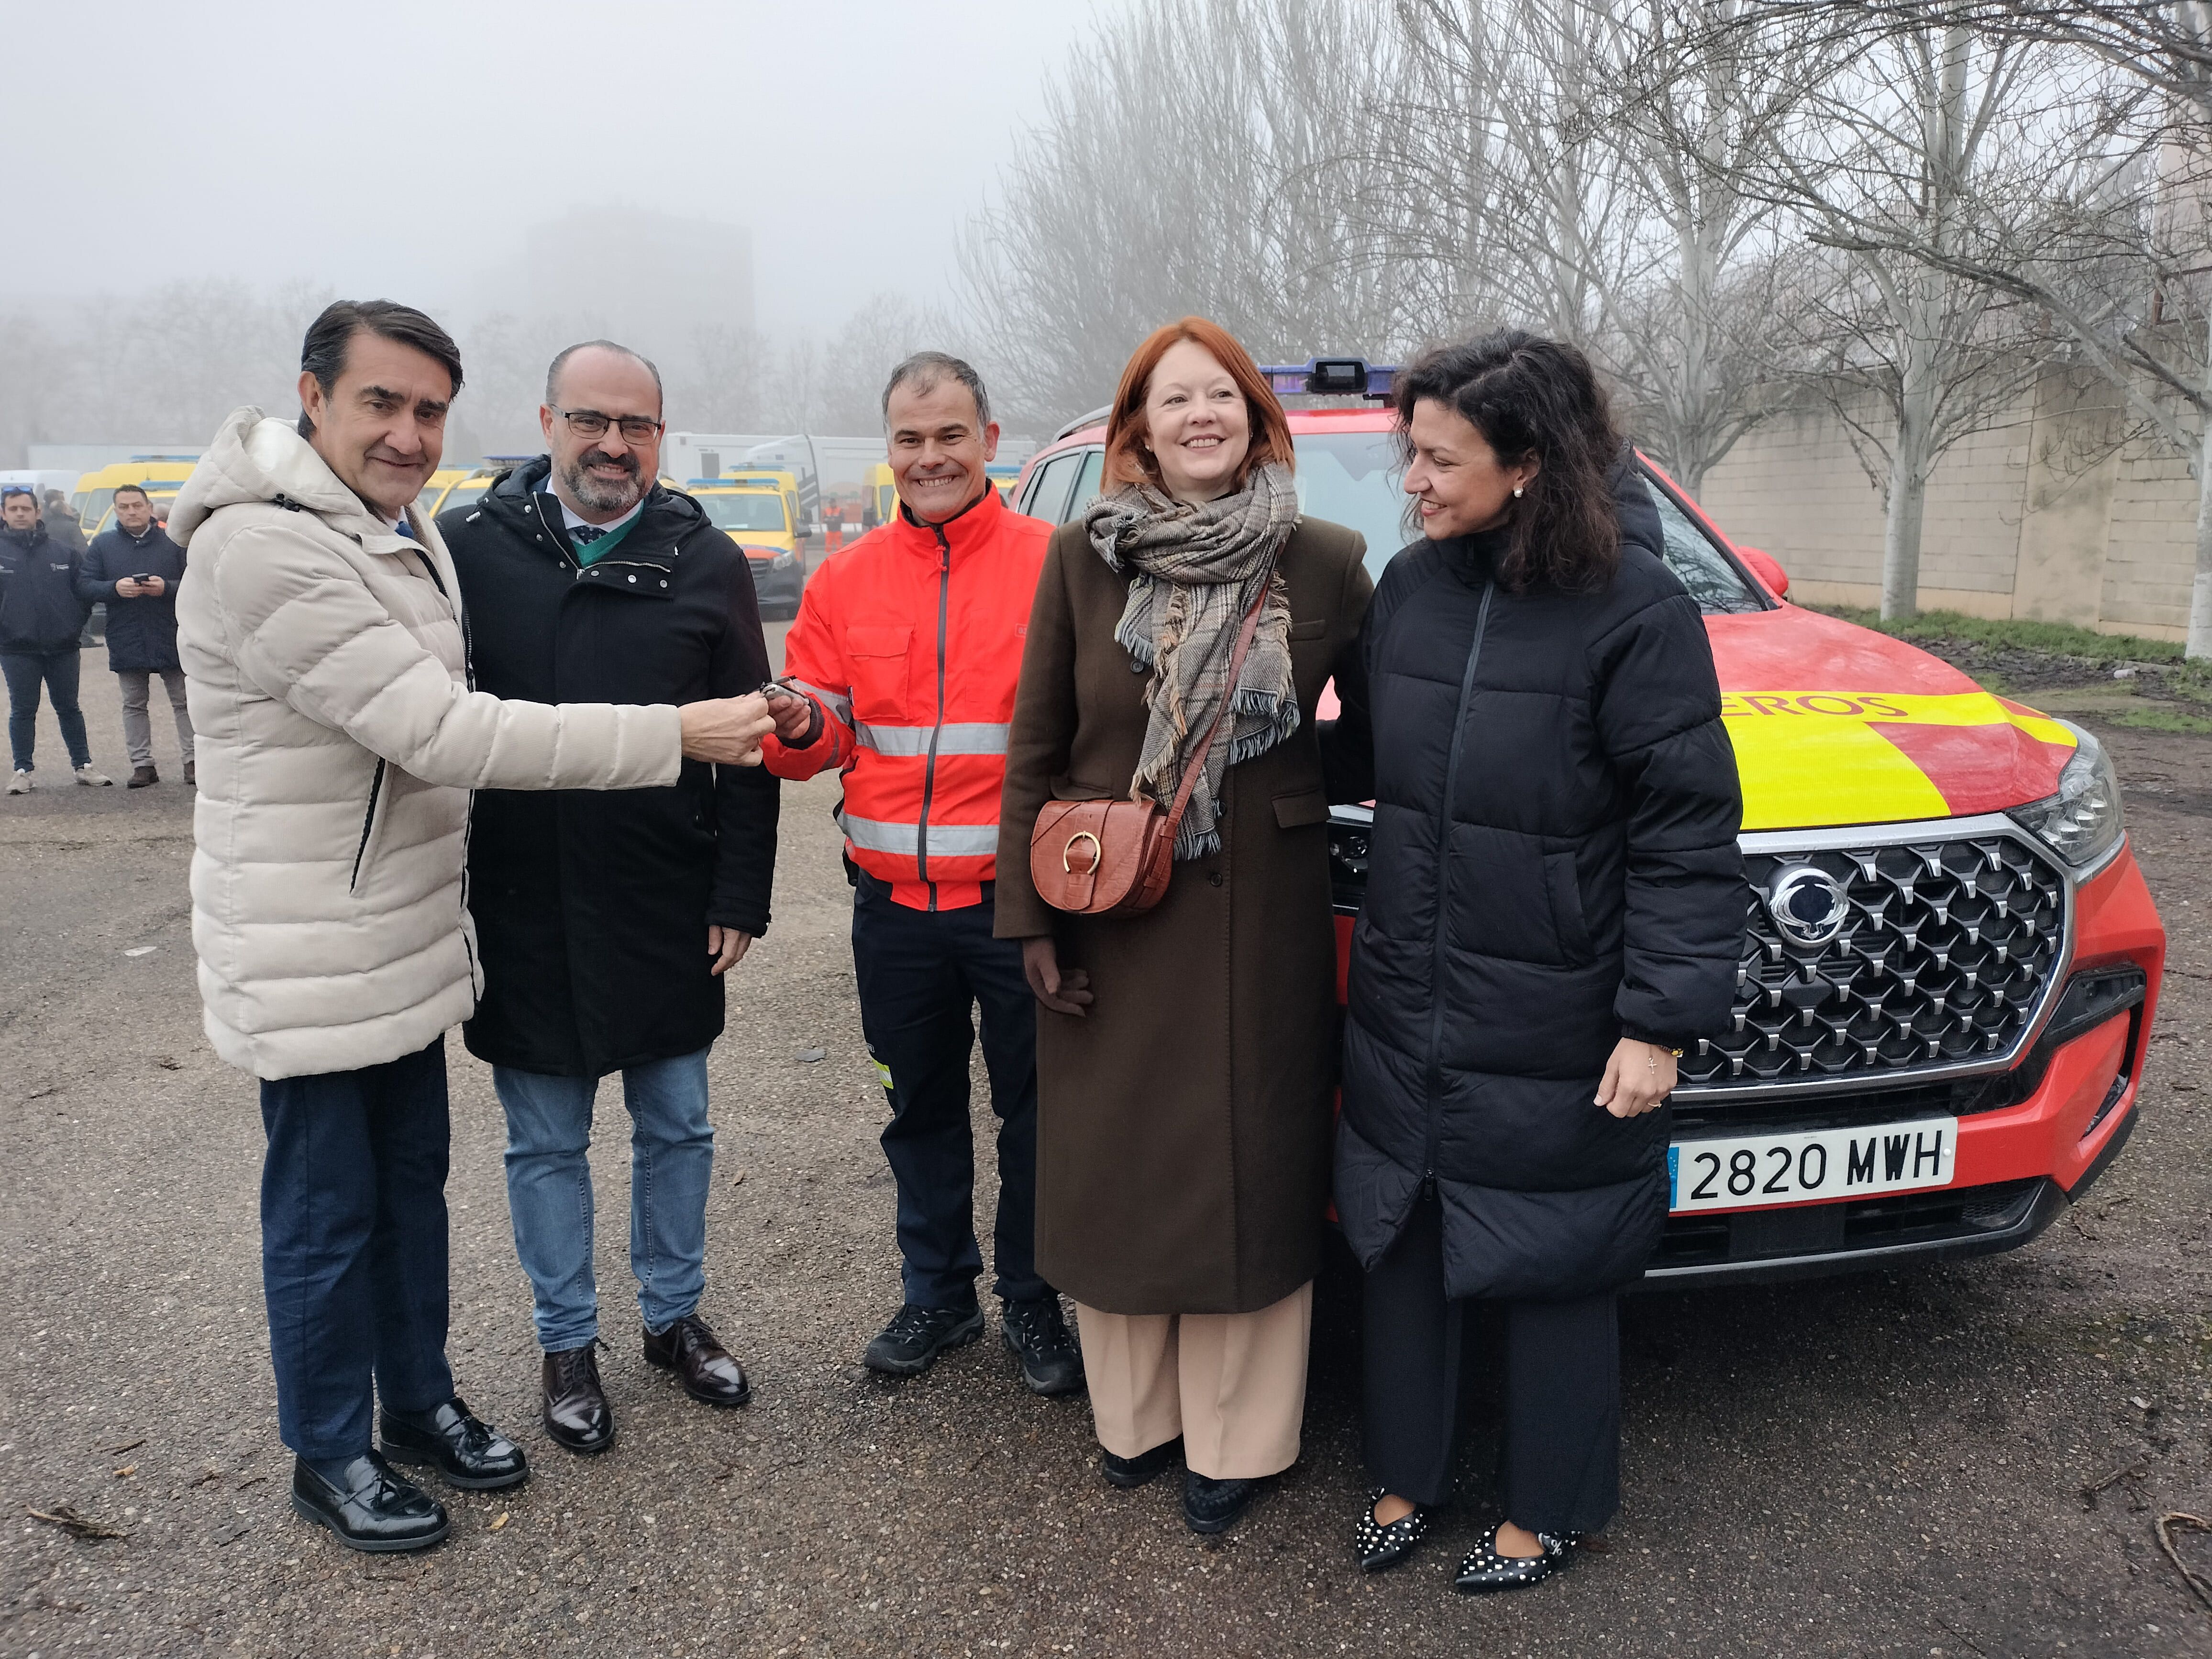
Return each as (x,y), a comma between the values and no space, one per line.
(1036,1335)
(909,1344)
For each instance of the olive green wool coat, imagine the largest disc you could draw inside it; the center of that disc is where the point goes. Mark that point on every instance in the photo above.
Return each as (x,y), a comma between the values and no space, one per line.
(1183,1124)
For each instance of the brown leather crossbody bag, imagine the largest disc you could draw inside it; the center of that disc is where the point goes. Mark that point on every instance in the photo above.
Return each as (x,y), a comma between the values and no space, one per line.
(1100,857)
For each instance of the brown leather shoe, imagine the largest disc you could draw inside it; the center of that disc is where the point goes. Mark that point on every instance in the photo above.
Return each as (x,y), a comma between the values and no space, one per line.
(141,776)
(191,772)
(707,1370)
(577,1415)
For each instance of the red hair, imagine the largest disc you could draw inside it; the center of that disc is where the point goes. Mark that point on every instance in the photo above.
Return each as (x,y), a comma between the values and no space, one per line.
(1127,461)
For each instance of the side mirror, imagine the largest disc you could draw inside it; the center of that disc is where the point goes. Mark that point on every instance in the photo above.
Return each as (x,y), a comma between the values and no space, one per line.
(1767,568)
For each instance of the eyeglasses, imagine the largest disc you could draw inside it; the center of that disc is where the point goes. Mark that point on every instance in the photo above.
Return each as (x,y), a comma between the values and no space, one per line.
(590,423)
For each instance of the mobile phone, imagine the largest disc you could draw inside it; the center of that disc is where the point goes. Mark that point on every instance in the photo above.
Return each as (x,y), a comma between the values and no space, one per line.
(147,577)
(773,689)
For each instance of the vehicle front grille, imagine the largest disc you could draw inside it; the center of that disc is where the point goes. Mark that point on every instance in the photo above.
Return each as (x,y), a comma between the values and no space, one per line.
(1947,949)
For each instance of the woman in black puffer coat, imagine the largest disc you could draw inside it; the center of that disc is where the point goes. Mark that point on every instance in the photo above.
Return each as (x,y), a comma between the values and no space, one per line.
(1554,907)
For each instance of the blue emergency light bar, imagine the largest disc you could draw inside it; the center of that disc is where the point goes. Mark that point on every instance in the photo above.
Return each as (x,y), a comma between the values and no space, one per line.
(1334,377)
(727,481)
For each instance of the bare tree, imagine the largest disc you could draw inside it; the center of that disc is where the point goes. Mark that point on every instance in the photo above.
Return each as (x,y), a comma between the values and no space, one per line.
(1918,141)
(2119,261)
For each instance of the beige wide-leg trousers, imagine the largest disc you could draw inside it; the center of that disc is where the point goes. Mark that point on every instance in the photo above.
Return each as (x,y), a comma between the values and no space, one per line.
(1232,1385)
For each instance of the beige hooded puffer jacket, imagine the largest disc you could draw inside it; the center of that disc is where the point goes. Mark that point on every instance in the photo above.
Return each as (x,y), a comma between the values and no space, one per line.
(338,739)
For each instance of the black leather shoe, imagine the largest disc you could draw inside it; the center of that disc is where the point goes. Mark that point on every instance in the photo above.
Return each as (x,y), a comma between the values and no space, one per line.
(1130,1473)
(1210,1506)
(1486,1570)
(1378,1545)
(368,1507)
(909,1344)
(1037,1333)
(470,1454)
(577,1415)
(710,1372)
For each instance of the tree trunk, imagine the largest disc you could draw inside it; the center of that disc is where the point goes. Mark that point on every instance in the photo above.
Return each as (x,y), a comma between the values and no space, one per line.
(2200,592)
(1900,539)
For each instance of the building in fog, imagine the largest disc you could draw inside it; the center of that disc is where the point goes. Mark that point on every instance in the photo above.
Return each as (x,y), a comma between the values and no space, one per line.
(649,280)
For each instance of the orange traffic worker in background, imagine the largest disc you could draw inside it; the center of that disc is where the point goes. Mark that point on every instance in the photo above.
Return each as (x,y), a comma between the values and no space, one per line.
(904,661)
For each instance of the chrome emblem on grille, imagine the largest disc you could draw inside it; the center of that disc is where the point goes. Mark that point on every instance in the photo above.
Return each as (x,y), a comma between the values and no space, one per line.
(1807,905)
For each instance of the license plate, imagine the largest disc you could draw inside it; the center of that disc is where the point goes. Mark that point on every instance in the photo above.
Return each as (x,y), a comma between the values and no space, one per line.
(1735,1172)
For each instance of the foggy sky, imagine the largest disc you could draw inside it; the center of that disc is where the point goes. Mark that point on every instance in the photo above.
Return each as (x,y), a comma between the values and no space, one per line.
(402,148)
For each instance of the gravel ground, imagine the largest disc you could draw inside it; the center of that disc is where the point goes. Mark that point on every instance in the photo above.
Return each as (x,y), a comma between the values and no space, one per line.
(1952,1461)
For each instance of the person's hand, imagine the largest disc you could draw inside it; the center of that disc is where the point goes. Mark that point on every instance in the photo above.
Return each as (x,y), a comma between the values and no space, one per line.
(126,589)
(1064,992)
(153,588)
(794,719)
(1636,1079)
(727,946)
(726,731)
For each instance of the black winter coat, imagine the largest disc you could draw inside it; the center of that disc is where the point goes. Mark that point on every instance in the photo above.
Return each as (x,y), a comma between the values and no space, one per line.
(39,610)
(1554,866)
(142,634)
(592,907)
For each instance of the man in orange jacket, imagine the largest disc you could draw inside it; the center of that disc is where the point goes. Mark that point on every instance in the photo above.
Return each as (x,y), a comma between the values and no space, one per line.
(906,650)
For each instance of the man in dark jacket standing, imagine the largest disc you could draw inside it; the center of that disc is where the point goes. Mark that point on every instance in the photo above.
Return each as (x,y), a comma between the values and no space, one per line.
(134,569)
(607,924)
(40,618)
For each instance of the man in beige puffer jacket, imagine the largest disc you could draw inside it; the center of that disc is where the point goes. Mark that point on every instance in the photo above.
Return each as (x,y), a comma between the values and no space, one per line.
(326,662)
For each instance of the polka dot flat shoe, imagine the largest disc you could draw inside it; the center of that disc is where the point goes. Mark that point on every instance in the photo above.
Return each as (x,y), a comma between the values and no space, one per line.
(1486,1570)
(1378,1545)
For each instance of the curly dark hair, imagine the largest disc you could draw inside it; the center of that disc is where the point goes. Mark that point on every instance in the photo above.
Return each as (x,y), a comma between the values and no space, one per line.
(1529,396)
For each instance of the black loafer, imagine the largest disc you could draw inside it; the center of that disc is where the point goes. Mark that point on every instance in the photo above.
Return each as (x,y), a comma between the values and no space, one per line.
(1130,1473)
(368,1507)
(1210,1506)
(909,1344)
(1486,1570)
(1037,1333)
(470,1454)
(1378,1545)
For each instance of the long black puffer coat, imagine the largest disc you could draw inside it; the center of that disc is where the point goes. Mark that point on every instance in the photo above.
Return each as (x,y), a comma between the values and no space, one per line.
(1554,866)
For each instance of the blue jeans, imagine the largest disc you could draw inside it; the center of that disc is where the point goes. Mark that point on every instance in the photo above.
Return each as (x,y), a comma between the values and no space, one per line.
(924,977)
(548,1191)
(353,1248)
(24,671)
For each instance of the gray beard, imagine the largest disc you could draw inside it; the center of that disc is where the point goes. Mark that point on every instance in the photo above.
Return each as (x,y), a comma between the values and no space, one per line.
(603,497)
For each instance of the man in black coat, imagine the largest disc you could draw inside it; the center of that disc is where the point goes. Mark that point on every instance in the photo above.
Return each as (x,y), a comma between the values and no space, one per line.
(134,569)
(40,618)
(606,921)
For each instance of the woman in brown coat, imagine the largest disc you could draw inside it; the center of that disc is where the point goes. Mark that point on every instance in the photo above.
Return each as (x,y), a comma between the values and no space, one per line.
(1186,1054)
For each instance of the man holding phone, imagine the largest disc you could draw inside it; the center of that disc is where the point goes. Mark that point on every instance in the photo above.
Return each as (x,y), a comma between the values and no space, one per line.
(133,568)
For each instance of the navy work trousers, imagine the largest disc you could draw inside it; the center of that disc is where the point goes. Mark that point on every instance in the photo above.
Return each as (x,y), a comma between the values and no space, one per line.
(922,975)
(353,1248)
(25,670)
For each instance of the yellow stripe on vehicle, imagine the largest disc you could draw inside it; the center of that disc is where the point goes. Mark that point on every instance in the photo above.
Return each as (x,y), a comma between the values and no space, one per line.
(1809,759)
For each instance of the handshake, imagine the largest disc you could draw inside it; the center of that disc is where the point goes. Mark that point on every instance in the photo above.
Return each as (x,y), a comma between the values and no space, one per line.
(729,732)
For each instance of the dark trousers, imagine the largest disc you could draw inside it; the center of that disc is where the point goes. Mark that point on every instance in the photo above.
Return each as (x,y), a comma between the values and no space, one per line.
(1559,1467)
(922,975)
(24,671)
(353,1248)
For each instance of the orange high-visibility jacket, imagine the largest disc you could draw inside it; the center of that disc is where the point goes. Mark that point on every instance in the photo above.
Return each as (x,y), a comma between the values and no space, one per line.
(910,641)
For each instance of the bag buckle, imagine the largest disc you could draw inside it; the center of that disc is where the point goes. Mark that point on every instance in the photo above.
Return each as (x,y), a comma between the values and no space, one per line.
(1067,853)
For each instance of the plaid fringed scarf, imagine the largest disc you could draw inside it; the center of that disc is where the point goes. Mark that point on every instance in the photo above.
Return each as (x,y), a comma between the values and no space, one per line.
(1192,574)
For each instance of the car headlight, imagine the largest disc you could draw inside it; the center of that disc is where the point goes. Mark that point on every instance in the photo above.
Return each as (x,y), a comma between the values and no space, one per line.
(2082,822)
(783,561)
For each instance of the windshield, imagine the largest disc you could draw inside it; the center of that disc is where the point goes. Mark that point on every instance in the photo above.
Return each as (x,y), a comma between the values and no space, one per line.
(1350,478)
(749,511)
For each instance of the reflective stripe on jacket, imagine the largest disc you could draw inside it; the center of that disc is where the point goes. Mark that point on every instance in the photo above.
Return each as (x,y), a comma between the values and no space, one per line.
(910,642)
